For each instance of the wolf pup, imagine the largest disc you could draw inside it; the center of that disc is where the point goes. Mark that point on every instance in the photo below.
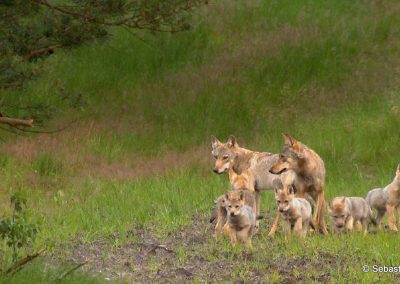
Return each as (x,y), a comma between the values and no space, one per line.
(386,200)
(347,211)
(238,162)
(220,211)
(294,210)
(309,172)
(241,217)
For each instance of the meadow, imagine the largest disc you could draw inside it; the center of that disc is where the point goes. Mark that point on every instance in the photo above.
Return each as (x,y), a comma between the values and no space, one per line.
(128,187)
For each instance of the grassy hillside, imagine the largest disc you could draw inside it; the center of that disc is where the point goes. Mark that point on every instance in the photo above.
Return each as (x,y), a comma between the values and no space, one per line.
(135,169)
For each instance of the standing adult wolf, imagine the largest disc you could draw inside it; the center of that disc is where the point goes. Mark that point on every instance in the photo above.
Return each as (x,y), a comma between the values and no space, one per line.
(309,175)
(254,166)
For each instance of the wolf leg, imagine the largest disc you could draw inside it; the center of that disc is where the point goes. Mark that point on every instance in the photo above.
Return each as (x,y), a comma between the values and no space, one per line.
(391,217)
(350,223)
(298,227)
(258,202)
(218,227)
(274,225)
(379,217)
(320,212)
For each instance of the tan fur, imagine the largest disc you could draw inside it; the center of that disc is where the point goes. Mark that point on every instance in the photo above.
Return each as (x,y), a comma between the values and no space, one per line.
(309,172)
(295,211)
(386,200)
(246,168)
(220,209)
(241,216)
(347,212)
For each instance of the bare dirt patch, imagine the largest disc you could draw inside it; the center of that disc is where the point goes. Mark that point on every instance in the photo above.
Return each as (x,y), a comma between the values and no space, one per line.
(192,254)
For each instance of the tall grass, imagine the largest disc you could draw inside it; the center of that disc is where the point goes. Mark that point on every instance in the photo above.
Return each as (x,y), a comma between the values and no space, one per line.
(324,71)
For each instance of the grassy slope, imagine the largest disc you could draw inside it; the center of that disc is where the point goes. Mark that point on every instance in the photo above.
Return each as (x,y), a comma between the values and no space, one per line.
(325,72)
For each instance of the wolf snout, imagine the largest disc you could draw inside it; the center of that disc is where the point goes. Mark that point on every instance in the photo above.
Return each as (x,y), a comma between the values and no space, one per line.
(232,214)
(281,210)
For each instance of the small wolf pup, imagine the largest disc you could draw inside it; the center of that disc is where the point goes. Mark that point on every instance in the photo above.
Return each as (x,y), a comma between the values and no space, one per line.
(241,182)
(386,200)
(241,217)
(295,211)
(347,211)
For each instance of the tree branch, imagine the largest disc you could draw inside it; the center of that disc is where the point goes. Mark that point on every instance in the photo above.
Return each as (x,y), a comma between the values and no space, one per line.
(15,122)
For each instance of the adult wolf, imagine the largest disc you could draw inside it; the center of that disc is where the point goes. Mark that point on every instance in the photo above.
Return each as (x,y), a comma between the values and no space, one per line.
(309,177)
(236,161)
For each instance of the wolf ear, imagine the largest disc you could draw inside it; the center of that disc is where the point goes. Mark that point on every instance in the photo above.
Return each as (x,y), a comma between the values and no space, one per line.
(343,200)
(292,189)
(231,141)
(226,196)
(214,141)
(288,139)
(398,169)
(241,196)
(293,143)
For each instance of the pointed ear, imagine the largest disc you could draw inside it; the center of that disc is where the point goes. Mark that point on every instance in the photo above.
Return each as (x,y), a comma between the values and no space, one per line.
(226,196)
(241,196)
(343,199)
(276,191)
(288,139)
(214,141)
(291,189)
(231,141)
(293,143)
(398,169)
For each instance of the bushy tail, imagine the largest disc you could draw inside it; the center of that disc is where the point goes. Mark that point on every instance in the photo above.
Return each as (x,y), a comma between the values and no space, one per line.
(215,209)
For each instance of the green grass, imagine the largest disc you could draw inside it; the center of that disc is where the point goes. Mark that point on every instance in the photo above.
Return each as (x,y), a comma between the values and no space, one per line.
(324,71)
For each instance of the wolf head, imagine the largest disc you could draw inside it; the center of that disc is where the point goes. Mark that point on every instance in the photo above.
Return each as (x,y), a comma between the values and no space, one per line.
(290,158)
(284,197)
(339,212)
(223,153)
(234,202)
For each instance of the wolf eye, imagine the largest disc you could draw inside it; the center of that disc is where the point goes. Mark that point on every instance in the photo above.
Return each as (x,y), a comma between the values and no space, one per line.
(342,216)
(286,201)
(230,206)
(237,206)
(215,157)
(225,157)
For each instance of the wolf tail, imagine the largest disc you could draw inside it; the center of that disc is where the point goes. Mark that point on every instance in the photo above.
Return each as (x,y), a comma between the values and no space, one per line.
(215,209)
(371,218)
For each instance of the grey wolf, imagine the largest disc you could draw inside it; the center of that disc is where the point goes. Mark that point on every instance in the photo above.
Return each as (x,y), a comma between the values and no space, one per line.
(309,171)
(386,199)
(347,211)
(241,217)
(295,211)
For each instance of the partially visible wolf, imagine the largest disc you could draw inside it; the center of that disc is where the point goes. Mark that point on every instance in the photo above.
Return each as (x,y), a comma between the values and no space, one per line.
(309,172)
(347,211)
(220,211)
(295,211)
(249,166)
(241,217)
(386,200)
